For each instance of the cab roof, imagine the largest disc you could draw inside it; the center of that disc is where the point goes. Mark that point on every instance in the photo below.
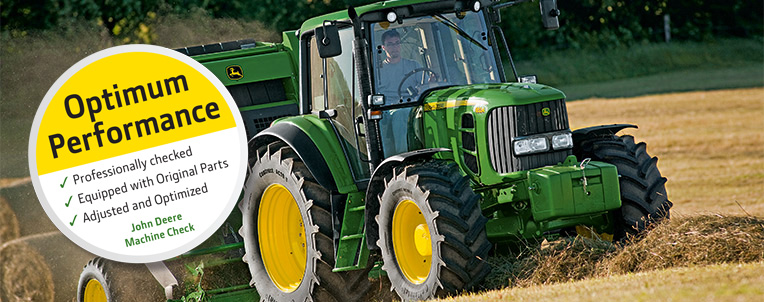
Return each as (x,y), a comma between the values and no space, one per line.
(342,15)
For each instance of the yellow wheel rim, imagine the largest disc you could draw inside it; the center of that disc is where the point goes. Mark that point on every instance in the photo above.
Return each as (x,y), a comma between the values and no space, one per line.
(282,238)
(411,242)
(94,292)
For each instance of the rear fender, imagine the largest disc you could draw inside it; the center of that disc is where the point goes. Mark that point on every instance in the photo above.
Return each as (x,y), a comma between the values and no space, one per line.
(316,145)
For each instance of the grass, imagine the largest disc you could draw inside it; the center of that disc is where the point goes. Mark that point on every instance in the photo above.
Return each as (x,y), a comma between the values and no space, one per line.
(721,282)
(583,66)
(651,68)
(677,81)
(679,259)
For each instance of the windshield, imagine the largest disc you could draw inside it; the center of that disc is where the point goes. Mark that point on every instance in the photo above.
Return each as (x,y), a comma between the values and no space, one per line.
(428,52)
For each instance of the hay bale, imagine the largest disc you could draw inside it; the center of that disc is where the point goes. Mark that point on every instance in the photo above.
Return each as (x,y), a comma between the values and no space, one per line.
(681,241)
(697,240)
(9,224)
(561,260)
(24,275)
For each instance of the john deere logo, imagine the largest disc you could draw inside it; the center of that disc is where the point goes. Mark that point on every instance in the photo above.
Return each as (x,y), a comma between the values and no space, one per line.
(234,72)
(546,111)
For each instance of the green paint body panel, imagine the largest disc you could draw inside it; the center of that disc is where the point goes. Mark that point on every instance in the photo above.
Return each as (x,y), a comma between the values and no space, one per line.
(254,66)
(342,15)
(237,295)
(265,61)
(352,253)
(320,131)
(559,190)
(552,198)
(442,117)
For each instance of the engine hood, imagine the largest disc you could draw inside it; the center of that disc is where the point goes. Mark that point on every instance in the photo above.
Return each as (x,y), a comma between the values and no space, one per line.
(493,95)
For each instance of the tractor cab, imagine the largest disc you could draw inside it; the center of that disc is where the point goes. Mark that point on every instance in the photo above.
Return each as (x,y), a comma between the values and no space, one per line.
(414,55)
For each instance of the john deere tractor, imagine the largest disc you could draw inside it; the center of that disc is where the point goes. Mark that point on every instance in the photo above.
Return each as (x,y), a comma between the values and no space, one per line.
(354,174)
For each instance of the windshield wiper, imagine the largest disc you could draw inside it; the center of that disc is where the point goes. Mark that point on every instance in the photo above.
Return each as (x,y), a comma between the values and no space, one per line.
(458,30)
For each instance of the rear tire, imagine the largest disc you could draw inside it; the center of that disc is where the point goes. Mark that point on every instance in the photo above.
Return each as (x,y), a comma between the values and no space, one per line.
(104,280)
(279,182)
(643,191)
(432,232)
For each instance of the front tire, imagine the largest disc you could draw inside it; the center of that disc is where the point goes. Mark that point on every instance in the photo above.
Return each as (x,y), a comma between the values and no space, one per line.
(644,200)
(287,230)
(104,280)
(432,232)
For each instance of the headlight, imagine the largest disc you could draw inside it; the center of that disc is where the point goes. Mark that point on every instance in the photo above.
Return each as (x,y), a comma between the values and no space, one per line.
(562,141)
(531,145)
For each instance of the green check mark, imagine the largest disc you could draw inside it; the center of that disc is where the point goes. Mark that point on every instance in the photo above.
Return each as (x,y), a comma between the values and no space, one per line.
(73,220)
(62,185)
(70,200)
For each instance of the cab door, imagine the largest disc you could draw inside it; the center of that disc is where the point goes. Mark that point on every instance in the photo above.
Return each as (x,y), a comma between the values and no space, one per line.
(333,89)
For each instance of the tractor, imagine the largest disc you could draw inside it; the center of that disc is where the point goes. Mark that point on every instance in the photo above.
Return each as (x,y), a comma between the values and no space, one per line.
(357,173)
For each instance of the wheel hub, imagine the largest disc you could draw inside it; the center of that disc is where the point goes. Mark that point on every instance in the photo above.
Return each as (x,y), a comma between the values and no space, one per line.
(94,292)
(282,238)
(411,242)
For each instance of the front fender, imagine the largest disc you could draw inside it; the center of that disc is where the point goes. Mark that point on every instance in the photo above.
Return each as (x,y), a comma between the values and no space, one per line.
(601,130)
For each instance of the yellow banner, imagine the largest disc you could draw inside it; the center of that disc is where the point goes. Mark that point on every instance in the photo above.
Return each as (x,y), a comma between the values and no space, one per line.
(124,103)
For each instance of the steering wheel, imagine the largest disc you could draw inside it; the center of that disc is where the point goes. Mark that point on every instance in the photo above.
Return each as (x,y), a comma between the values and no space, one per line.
(409,74)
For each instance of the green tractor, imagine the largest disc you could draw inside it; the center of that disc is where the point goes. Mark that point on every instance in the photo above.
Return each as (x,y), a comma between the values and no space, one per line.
(398,139)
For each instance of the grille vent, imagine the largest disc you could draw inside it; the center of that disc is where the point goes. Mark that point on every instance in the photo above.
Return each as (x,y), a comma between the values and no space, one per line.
(506,123)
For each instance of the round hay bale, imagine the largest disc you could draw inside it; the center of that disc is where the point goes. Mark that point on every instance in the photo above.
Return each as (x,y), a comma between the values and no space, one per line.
(24,275)
(9,224)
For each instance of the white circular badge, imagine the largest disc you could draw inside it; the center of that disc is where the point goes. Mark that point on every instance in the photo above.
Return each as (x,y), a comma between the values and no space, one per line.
(138,153)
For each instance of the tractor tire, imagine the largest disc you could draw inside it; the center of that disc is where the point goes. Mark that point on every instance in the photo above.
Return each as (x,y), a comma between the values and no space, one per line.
(643,191)
(432,231)
(104,280)
(9,224)
(24,274)
(287,231)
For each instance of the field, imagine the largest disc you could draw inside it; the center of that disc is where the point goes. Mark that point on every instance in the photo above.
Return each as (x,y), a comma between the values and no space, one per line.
(709,143)
(711,149)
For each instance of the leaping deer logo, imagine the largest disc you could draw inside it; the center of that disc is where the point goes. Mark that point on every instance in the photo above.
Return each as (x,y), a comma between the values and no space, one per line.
(234,72)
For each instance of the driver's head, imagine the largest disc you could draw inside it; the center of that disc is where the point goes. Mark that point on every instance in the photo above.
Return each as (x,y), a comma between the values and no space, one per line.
(391,43)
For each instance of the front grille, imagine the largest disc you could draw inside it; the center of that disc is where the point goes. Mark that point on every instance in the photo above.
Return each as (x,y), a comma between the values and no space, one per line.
(506,123)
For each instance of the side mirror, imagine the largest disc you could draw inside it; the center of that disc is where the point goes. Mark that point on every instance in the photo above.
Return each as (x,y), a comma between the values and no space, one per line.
(328,40)
(549,14)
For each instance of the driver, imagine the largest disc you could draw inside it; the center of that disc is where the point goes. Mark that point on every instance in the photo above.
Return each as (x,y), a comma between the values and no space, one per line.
(394,68)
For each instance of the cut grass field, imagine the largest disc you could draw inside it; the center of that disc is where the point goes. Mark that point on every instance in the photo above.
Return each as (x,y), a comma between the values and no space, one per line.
(718,283)
(710,144)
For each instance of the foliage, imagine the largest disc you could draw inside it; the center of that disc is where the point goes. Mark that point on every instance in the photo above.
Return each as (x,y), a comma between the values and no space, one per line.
(584,24)
(607,24)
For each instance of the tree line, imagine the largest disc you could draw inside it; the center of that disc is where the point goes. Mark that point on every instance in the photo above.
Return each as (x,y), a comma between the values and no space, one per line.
(584,23)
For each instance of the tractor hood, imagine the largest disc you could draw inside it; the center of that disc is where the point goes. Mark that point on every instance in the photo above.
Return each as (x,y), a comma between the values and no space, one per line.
(490,95)
(479,123)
